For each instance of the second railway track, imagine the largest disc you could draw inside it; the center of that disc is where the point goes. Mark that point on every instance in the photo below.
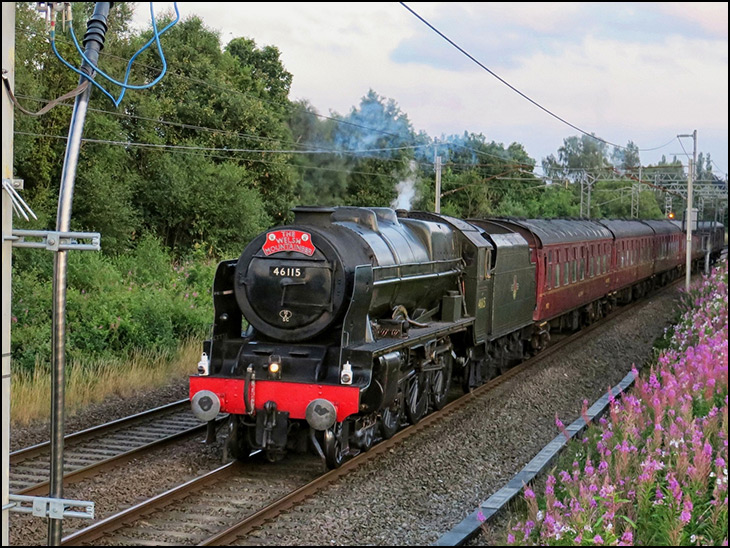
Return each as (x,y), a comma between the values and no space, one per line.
(90,451)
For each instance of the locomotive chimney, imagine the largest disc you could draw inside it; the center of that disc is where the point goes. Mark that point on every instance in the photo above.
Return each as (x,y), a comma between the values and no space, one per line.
(313,215)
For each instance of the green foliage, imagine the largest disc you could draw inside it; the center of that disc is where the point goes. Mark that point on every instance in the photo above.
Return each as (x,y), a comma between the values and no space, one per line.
(142,300)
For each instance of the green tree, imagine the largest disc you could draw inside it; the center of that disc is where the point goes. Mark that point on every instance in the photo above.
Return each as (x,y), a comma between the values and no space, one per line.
(151,163)
(382,137)
(212,115)
(321,177)
(576,155)
(627,158)
(484,178)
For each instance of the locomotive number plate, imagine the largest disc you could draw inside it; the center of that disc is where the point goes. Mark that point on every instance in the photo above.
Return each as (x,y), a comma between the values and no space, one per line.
(287,271)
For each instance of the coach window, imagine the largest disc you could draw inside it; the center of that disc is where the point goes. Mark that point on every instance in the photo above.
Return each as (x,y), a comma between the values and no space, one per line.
(622,253)
(619,255)
(557,274)
(589,261)
(549,269)
(575,264)
(566,268)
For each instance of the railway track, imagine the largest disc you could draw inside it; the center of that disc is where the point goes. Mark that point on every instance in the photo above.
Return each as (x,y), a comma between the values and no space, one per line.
(232,503)
(91,451)
(192,512)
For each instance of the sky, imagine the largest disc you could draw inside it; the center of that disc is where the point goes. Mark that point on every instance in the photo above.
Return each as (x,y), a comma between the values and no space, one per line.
(624,71)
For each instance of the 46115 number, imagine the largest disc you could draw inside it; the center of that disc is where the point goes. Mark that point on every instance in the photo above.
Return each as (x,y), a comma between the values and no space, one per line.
(287,271)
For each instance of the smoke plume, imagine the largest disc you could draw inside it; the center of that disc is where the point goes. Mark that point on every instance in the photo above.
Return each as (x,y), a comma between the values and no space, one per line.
(406,190)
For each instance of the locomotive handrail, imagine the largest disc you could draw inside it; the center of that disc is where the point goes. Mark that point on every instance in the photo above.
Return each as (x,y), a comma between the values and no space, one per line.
(400,276)
(416,277)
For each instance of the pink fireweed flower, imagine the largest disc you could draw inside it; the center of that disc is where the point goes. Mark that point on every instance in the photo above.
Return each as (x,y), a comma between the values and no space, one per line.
(658,497)
(584,412)
(561,427)
(686,511)
(674,487)
(550,485)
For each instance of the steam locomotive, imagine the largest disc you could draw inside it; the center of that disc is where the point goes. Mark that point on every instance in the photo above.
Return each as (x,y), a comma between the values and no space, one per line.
(333,332)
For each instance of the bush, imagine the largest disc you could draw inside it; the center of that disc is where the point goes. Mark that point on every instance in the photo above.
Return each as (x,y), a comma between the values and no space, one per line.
(114,306)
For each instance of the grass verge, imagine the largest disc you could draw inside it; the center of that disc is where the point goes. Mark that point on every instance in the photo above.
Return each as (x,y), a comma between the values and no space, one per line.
(93,382)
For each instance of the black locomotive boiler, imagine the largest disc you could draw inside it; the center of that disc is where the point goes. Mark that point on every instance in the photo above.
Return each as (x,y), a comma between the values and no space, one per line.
(335,331)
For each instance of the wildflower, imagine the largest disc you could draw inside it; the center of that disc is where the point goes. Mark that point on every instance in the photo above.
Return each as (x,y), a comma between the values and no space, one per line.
(686,511)
(597,539)
(481,517)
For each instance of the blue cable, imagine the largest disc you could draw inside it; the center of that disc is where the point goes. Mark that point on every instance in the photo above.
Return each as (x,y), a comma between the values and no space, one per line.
(124,85)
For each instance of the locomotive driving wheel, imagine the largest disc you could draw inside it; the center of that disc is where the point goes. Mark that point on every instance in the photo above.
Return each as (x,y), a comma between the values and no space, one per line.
(416,397)
(441,381)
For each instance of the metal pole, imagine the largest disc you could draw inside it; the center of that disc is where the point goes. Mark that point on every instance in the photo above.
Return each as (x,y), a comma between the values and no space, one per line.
(688,228)
(8,39)
(93,44)
(689,198)
(437,207)
(688,216)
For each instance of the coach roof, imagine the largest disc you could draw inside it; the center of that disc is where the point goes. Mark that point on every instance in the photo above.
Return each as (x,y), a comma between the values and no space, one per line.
(555,231)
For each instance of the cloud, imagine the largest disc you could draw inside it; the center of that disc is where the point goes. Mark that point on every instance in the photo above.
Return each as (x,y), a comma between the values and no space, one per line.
(503,35)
